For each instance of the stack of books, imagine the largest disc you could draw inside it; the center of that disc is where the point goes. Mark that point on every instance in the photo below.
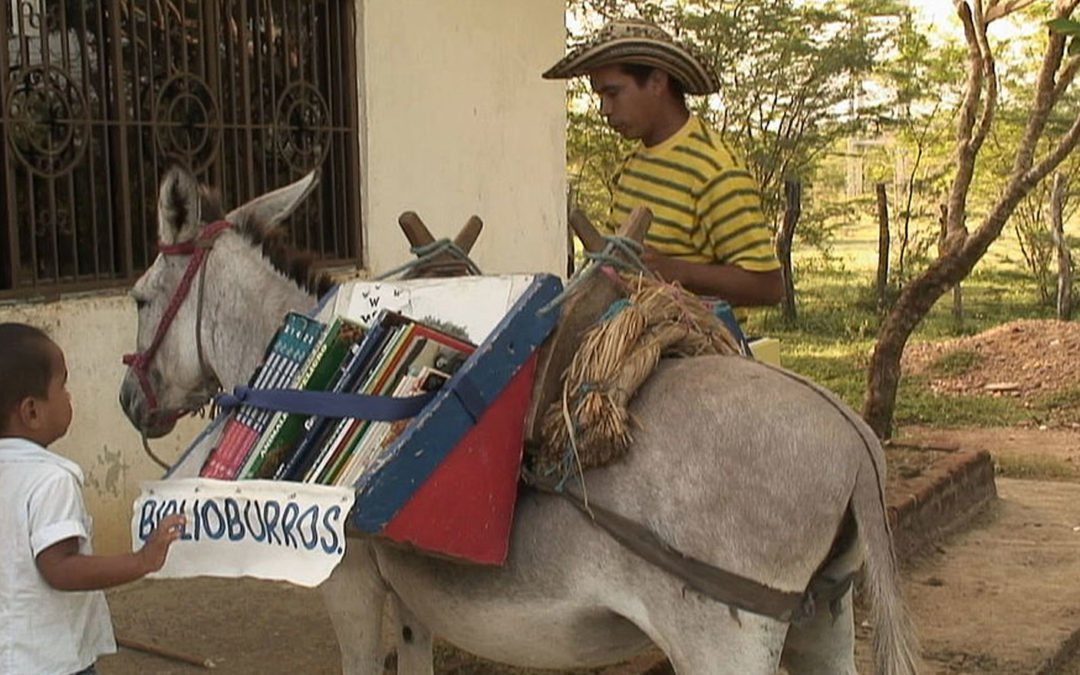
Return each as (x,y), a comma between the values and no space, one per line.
(393,356)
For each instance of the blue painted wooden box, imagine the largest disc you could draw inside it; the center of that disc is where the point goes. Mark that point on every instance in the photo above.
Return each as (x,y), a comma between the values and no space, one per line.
(450,484)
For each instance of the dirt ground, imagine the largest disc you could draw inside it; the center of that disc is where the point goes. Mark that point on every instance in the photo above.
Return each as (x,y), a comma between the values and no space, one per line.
(1002,596)
(1025,359)
(998,598)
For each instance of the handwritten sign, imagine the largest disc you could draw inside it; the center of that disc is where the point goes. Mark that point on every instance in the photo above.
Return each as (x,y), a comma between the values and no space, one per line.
(266,529)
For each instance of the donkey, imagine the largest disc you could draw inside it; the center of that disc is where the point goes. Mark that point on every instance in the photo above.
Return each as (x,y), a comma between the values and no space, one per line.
(747,468)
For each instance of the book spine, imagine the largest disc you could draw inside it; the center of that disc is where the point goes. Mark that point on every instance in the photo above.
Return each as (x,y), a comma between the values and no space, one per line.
(283,373)
(322,372)
(303,356)
(241,430)
(316,426)
(388,355)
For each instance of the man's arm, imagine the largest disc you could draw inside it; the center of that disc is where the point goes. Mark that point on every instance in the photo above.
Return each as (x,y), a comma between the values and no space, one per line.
(738,286)
(65,569)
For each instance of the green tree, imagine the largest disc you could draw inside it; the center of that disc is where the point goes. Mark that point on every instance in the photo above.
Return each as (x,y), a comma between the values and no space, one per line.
(1038,152)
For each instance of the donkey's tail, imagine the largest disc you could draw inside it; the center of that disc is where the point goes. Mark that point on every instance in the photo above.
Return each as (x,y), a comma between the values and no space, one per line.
(895,646)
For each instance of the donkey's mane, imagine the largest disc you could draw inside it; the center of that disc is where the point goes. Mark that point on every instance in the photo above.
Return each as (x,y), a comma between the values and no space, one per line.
(296,264)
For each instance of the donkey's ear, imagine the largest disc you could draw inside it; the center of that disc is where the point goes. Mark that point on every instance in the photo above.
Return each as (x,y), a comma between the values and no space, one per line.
(267,211)
(179,207)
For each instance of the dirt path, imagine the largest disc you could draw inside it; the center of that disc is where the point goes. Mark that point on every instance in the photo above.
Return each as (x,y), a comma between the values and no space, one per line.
(1002,597)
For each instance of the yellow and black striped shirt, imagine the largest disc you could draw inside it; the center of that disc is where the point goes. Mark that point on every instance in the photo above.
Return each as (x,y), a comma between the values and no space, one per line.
(706,206)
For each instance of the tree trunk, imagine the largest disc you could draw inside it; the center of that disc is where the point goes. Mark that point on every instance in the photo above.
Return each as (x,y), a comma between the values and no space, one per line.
(883,247)
(913,304)
(957,294)
(1064,260)
(792,211)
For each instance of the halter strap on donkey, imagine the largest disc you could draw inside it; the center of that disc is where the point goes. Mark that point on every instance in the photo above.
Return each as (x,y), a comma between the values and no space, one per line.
(199,249)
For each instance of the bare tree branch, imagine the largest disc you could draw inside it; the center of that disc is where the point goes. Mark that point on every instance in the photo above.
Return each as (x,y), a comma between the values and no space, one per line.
(1000,9)
(990,78)
(1067,75)
(1064,8)
(965,160)
(1045,89)
(1051,160)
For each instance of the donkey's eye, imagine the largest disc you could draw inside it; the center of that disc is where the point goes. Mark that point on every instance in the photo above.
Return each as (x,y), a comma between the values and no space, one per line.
(141,303)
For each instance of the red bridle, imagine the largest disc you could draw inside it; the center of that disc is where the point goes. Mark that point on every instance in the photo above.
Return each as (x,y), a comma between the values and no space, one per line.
(198,248)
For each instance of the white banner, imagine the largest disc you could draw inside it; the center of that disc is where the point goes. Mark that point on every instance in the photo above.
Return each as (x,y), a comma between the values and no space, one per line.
(259,528)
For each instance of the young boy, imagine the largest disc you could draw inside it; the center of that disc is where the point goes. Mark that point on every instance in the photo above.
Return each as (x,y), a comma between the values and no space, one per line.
(53,615)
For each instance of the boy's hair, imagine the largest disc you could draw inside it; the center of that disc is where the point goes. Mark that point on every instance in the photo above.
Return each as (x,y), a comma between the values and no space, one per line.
(25,366)
(640,72)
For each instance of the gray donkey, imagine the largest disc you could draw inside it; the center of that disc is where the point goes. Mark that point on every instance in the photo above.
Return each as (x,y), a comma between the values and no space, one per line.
(746,468)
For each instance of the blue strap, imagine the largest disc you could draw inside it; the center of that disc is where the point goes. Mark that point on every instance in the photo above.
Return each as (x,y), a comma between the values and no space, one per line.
(327,404)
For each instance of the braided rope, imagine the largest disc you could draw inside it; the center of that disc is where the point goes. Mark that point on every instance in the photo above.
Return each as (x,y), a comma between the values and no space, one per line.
(591,426)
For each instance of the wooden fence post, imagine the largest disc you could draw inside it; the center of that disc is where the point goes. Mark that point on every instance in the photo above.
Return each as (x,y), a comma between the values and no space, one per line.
(792,211)
(883,246)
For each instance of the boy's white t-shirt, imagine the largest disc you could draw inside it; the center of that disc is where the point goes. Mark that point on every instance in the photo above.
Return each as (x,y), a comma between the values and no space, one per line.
(44,631)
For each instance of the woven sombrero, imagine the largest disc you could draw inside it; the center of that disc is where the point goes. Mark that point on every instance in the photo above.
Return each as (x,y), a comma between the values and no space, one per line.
(637,42)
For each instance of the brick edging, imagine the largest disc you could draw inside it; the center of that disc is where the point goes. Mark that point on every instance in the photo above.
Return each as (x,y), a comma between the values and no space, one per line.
(942,500)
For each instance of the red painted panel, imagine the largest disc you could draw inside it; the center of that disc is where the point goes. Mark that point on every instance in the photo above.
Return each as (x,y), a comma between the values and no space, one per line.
(466,508)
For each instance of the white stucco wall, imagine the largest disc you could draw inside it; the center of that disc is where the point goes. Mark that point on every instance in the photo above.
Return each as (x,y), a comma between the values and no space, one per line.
(455,120)
(94,332)
(458,122)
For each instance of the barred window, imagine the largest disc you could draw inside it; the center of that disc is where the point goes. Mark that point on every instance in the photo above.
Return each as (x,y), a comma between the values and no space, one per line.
(99,97)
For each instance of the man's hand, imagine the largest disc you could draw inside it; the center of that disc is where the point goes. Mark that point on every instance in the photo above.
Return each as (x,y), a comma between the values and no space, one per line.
(656,262)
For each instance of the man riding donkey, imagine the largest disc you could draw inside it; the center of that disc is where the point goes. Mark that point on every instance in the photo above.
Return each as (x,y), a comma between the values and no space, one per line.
(708,231)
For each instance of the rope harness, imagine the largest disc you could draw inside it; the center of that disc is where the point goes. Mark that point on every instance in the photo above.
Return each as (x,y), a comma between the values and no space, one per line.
(139,362)
(427,260)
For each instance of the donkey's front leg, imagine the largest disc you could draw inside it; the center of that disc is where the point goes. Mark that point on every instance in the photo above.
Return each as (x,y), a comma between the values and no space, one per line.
(414,642)
(354,596)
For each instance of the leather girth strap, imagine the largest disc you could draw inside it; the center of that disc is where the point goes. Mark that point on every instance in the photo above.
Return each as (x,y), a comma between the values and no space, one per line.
(725,587)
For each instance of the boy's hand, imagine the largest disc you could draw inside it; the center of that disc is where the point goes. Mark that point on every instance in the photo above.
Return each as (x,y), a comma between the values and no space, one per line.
(153,552)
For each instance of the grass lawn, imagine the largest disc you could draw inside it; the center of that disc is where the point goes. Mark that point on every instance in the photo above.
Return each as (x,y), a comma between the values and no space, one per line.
(834,334)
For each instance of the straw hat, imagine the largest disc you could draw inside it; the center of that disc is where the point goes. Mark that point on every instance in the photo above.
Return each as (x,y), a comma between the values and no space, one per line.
(637,42)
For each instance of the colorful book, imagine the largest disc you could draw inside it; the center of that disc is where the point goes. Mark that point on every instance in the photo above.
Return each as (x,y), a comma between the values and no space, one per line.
(323,432)
(375,384)
(317,427)
(284,430)
(287,350)
(391,377)
(428,349)
(425,381)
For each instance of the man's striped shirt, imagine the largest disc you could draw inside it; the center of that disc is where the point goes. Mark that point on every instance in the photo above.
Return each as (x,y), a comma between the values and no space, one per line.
(706,206)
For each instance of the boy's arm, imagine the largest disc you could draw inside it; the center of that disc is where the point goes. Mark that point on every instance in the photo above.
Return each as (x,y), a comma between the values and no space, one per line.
(65,569)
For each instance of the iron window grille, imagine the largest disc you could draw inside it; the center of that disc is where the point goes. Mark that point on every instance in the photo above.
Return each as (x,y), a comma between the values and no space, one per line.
(99,97)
